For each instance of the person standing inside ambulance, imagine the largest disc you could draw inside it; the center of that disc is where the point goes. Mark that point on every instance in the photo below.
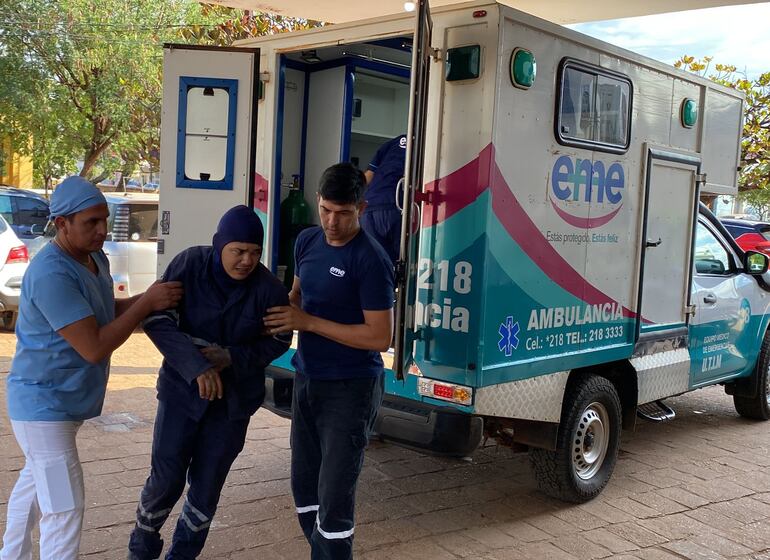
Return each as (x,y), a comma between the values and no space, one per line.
(342,306)
(69,324)
(211,382)
(382,218)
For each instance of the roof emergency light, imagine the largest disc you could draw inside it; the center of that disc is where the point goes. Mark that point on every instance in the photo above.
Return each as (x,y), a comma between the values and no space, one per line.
(463,63)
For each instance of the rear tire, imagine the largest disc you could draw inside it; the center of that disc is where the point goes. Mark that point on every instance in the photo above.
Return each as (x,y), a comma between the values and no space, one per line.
(758,407)
(587,447)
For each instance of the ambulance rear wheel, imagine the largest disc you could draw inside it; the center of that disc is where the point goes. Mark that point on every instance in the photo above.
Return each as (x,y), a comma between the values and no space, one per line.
(587,448)
(758,407)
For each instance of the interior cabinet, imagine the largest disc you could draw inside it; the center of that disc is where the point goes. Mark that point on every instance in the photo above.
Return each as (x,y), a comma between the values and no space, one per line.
(380,111)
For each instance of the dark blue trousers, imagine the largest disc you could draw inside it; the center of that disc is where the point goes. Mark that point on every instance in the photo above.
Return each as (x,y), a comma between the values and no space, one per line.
(203,451)
(331,421)
(384,224)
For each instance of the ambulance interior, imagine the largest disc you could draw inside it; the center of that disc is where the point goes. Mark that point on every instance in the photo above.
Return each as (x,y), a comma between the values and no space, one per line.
(337,103)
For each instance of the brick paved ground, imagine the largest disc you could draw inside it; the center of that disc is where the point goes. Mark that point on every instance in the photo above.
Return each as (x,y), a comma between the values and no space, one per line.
(698,487)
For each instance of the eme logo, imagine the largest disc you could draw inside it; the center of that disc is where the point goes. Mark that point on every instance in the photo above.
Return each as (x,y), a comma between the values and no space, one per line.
(586,181)
(338,272)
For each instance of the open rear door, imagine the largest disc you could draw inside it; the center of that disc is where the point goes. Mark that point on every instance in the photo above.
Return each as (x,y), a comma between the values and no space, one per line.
(406,268)
(207,142)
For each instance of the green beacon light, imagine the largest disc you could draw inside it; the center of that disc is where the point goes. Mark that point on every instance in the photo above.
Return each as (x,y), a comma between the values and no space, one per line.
(689,113)
(523,68)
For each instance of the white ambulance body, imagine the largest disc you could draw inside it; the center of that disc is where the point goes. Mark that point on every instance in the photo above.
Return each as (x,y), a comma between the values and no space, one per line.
(556,271)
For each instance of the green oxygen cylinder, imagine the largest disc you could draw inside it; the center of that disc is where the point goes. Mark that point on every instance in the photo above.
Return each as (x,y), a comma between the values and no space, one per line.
(295,215)
(296,209)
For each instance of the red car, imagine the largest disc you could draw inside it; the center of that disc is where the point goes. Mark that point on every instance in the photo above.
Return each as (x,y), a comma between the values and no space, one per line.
(749,235)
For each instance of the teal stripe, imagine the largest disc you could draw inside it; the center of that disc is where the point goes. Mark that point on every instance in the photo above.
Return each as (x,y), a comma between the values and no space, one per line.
(529,277)
(535,367)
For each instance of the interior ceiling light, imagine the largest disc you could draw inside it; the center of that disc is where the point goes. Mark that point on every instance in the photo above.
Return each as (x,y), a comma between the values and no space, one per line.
(409,6)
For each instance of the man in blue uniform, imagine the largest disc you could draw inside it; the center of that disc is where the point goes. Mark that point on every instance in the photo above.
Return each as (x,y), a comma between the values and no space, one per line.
(212,380)
(69,324)
(382,219)
(342,306)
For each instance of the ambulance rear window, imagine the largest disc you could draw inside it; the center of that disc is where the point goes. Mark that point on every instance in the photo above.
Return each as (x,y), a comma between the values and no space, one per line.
(594,108)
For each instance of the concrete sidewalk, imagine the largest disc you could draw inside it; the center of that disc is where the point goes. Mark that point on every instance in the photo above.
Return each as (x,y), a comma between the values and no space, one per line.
(697,487)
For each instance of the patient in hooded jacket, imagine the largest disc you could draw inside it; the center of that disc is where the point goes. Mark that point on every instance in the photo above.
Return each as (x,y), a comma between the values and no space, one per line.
(211,382)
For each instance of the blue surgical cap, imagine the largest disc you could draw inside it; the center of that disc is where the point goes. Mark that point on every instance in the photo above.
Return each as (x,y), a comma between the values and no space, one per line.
(75,194)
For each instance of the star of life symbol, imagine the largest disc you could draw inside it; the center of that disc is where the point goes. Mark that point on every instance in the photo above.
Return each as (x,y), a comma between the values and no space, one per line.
(509,336)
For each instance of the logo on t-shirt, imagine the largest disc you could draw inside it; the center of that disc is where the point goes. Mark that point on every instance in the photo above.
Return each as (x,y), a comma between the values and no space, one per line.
(338,272)
(402,142)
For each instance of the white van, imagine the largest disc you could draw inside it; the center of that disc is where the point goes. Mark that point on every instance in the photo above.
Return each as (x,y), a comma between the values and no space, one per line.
(132,241)
(556,272)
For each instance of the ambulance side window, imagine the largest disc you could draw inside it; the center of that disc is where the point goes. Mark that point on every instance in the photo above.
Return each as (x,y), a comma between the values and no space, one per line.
(711,257)
(594,108)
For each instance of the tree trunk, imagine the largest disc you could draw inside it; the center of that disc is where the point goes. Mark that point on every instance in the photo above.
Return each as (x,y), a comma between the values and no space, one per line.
(88,163)
(92,156)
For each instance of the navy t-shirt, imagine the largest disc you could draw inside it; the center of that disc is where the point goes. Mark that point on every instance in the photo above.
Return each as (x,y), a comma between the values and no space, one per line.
(338,284)
(388,167)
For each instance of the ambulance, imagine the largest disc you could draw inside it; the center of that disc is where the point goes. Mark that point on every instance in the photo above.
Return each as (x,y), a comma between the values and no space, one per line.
(558,275)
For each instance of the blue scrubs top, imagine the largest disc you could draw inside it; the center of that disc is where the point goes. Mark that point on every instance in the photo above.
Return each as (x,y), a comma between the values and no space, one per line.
(49,380)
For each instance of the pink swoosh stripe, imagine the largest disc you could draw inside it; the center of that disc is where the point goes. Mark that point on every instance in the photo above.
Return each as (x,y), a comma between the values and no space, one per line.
(584,223)
(521,228)
(448,195)
(260,192)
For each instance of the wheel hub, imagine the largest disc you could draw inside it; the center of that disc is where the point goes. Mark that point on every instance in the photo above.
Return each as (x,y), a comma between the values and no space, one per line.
(590,441)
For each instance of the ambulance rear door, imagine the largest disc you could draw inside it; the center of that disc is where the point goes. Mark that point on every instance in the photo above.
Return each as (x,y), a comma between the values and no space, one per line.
(208,142)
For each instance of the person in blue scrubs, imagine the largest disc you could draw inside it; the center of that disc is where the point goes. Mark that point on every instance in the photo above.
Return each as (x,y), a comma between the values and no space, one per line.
(69,323)
(382,218)
(211,382)
(342,306)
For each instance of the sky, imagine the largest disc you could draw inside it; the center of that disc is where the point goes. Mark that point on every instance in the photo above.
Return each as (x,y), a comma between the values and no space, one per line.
(736,35)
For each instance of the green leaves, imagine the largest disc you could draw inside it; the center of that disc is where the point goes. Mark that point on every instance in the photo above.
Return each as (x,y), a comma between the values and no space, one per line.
(82,78)
(234,25)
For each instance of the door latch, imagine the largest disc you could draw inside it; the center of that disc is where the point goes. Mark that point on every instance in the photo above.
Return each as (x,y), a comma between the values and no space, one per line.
(165,222)
(689,310)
